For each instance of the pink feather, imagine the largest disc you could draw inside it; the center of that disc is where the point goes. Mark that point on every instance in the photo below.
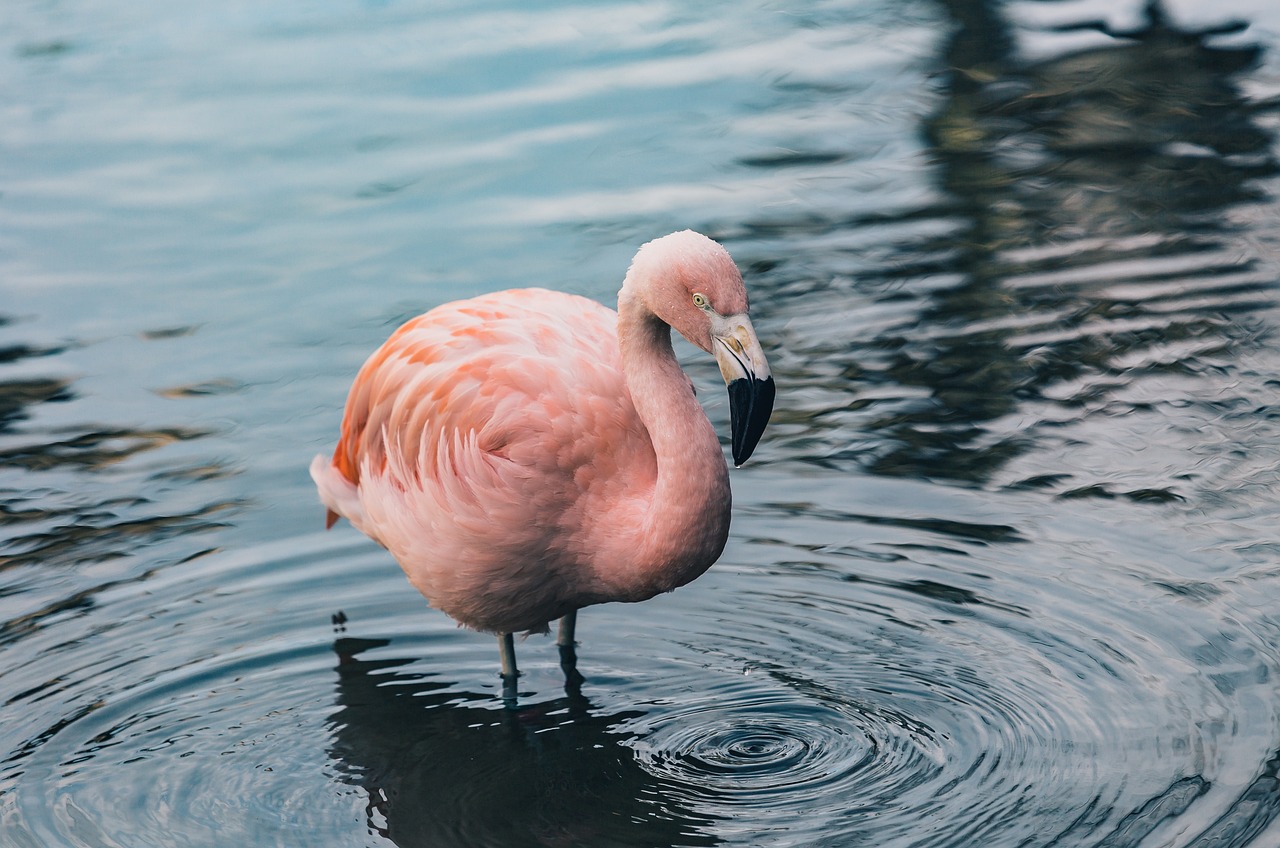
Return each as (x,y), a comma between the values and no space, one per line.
(526,453)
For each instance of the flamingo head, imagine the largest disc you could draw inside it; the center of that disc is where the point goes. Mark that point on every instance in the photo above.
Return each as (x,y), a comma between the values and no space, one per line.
(694,286)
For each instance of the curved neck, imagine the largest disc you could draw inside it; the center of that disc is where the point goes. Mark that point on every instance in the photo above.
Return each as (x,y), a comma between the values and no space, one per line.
(687,520)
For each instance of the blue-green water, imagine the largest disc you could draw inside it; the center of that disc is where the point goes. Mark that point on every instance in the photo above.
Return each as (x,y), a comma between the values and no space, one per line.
(1005,570)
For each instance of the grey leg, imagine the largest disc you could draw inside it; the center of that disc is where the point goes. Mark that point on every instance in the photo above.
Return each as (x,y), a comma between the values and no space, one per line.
(507,649)
(564,637)
(569,654)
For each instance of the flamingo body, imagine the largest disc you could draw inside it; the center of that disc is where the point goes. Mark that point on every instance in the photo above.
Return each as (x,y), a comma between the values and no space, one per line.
(526,453)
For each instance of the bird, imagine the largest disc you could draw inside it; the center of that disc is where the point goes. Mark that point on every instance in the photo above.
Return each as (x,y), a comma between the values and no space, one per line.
(527,453)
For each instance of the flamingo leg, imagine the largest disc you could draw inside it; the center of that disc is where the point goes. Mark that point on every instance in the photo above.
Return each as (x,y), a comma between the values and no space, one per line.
(569,654)
(507,649)
(564,637)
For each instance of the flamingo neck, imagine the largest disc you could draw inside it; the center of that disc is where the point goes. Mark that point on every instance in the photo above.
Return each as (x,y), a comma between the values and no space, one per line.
(687,519)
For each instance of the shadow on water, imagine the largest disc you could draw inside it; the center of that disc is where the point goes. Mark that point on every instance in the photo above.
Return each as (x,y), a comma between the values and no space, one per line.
(1090,238)
(446,768)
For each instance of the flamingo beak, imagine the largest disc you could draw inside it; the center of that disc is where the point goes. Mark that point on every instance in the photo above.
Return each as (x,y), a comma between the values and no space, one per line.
(746,373)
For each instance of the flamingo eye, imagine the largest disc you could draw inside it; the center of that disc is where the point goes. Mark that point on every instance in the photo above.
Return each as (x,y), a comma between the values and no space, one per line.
(700,301)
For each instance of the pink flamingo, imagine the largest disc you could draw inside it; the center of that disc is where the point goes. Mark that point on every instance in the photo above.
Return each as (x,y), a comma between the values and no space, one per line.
(528,453)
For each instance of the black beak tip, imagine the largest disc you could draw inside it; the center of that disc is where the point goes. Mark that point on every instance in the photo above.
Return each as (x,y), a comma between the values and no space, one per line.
(750,405)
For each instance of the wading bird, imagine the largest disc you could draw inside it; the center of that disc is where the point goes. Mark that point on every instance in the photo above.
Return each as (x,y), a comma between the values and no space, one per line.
(528,453)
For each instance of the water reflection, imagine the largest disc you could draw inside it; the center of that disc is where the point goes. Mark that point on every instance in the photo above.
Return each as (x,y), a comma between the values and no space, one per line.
(1250,812)
(19,394)
(1087,258)
(68,500)
(443,767)
(1094,248)
(92,450)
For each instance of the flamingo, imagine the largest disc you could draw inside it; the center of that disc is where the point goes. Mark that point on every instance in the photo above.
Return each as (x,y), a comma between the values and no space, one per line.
(528,453)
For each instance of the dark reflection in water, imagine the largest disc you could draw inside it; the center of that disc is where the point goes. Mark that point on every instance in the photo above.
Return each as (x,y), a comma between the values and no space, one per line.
(18,395)
(95,532)
(92,450)
(1103,145)
(65,493)
(1246,817)
(446,768)
(1250,813)
(1085,246)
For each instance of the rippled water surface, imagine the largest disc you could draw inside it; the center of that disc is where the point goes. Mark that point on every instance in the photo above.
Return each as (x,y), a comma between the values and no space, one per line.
(1003,572)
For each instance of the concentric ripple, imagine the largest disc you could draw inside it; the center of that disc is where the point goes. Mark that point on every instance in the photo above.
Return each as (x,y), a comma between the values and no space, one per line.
(757,754)
(810,760)
(209,695)
(990,704)
(762,748)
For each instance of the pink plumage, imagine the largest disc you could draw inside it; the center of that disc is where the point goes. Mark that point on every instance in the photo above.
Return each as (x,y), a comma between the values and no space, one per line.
(526,453)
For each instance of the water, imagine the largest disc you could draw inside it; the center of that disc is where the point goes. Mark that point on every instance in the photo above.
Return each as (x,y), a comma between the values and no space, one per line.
(1002,572)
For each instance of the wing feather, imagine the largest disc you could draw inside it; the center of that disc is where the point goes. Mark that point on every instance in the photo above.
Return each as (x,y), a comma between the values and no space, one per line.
(509,408)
